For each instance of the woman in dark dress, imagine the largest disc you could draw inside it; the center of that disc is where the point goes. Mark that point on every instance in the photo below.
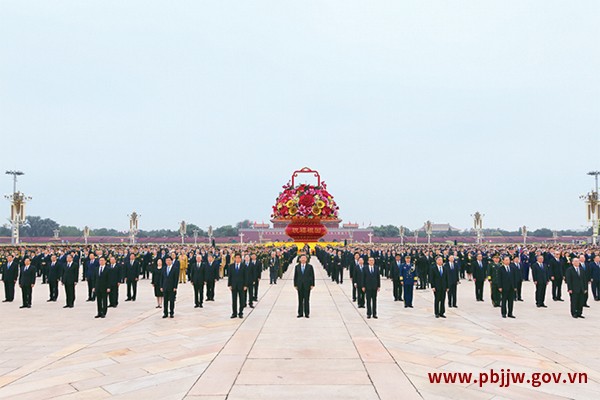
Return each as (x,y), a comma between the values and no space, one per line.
(157,277)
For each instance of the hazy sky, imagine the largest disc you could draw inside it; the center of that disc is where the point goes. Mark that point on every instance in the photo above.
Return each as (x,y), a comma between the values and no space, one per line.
(201,110)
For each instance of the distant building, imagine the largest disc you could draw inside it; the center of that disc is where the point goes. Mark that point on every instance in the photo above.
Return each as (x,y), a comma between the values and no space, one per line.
(438,228)
(261,233)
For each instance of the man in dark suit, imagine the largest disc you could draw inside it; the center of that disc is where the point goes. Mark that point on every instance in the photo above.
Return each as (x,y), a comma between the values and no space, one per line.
(304,282)
(438,278)
(237,281)
(211,274)
(10,275)
(577,286)
(596,277)
(169,287)
(70,277)
(479,276)
(556,276)
(256,267)
(540,275)
(91,270)
(517,266)
(101,287)
(396,274)
(27,281)
(587,273)
(55,272)
(197,278)
(507,284)
(453,272)
(371,286)
(132,275)
(114,280)
(359,279)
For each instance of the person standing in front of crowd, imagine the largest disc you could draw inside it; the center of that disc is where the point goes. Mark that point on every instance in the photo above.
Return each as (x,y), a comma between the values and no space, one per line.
(273,268)
(438,278)
(577,286)
(453,273)
(70,277)
(517,266)
(169,287)
(237,281)
(54,275)
(101,287)
(132,275)
(211,275)
(596,277)
(197,278)
(556,275)
(540,280)
(27,281)
(492,274)
(396,275)
(507,284)
(114,280)
(256,276)
(91,270)
(157,281)
(183,266)
(304,282)
(479,276)
(408,278)
(10,275)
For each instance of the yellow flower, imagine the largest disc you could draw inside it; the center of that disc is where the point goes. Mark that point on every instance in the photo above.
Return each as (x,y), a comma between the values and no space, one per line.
(320,203)
(289,203)
(316,210)
(293,210)
(279,205)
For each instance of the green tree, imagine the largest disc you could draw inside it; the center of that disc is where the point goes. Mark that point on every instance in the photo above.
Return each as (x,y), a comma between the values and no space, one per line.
(224,231)
(38,226)
(70,231)
(245,224)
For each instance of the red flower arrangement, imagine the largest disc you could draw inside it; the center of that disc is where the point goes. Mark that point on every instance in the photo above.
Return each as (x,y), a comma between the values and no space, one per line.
(306,201)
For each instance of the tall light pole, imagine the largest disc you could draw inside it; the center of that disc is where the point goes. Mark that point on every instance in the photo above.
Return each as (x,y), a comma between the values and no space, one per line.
(182,229)
(478,225)
(428,231)
(370,238)
(86,234)
(524,234)
(210,234)
(133,226)
(17,207)
(593,207)
(241,239)
(417,236)
(196,231)
(402,231)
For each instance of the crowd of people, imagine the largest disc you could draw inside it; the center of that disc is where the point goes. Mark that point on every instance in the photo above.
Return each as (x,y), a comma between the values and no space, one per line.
(104,268)
(442,267)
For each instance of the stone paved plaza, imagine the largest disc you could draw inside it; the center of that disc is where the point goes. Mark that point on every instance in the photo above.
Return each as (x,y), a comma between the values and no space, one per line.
(51,352)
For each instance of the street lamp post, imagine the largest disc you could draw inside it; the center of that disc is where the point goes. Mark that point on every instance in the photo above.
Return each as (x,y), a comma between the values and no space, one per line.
(555,236)
(402,231)
(210,234)
(478,225)
(17,207)
(417,236)
(196,231)
(56,233)
(370,238)
(428,231)
(593,207)
(182,229)
(86,234)
(133,226)
(241,239)
(524,234)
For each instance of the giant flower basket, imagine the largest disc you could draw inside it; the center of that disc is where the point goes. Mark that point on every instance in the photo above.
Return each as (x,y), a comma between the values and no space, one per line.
(304,208)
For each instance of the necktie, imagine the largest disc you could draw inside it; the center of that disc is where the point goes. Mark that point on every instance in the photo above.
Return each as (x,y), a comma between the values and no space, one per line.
(169,270)
(237,267)
(440,270)
(303,270)
(101,269)
(507,269)
(577,269)
(371,269)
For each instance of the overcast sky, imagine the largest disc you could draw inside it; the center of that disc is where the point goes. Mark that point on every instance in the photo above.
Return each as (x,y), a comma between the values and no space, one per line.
(201,110)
